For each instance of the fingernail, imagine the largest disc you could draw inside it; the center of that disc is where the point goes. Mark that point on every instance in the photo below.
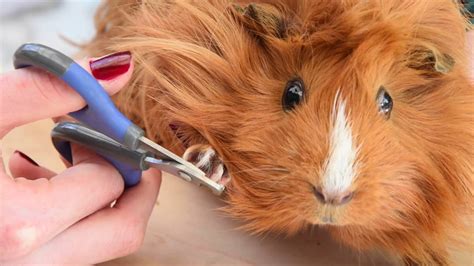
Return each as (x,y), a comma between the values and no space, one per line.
(24,156)
(111,66)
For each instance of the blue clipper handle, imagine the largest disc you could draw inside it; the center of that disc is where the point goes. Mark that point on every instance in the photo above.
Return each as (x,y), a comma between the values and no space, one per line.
(129,163)
(100,113)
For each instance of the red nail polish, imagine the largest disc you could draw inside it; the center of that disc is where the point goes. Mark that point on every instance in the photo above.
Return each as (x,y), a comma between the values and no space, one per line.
(24,156)
(111,66)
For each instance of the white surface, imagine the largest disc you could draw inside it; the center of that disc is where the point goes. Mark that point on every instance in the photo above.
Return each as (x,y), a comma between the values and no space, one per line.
(44,22)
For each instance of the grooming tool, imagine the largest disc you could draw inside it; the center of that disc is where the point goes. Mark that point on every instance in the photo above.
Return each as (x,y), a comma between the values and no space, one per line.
(104,128)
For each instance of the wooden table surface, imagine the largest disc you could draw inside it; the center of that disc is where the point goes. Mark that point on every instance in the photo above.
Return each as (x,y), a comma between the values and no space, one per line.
(187,229)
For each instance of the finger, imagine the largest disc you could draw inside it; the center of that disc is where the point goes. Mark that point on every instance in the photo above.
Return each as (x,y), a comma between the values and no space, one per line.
(31,94)
(121,229)
(66,198)
(21,165)
(137,200)
(65,162)
(90,175)
(60,119)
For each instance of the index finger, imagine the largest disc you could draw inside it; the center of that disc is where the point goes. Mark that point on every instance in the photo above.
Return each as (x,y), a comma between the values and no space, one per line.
(31,94)
(121,229)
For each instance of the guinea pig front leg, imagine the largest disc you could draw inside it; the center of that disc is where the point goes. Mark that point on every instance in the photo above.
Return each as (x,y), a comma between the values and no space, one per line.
(204,157)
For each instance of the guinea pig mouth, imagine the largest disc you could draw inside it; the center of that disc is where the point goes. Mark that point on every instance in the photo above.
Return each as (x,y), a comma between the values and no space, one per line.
(327,220)
(329,216)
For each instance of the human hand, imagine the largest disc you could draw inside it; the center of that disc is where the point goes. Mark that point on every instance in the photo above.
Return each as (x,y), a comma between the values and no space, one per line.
(66,218)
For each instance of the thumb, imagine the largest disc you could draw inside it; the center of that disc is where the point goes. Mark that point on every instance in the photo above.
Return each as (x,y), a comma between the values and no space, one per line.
(31,94)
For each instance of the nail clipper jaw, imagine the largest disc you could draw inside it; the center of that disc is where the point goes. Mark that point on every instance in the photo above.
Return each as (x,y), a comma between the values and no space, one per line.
(203,181)
(173,164)
(185,171)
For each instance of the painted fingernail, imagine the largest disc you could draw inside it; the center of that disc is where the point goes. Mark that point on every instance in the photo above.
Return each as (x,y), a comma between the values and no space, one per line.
(24,156)
(110,66)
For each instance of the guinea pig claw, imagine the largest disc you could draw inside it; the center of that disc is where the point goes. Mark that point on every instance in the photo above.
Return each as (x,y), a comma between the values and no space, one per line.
(204,157)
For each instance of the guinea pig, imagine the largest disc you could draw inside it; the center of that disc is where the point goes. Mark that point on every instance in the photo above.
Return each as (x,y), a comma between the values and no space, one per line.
(352,115)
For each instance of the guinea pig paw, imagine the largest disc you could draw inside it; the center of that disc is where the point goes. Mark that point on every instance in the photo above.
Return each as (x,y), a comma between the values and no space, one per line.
(206,158)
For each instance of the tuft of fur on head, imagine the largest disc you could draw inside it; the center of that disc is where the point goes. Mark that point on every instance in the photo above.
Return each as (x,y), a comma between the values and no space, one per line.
(216,71)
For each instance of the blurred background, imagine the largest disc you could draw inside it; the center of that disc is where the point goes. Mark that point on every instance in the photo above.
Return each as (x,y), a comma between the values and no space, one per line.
(50,22)
(45,21)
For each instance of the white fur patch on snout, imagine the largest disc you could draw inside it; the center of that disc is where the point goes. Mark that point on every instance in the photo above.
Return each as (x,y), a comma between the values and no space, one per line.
(340,168)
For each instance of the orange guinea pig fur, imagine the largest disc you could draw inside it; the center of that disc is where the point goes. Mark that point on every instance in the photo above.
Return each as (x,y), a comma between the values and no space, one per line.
(356,115)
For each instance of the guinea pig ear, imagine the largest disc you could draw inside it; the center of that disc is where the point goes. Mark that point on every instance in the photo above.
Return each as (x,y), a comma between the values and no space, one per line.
(430,60)
(260,19)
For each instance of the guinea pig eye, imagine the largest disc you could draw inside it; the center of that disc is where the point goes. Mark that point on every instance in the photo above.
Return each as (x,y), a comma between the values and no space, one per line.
(294,94)
(384,102)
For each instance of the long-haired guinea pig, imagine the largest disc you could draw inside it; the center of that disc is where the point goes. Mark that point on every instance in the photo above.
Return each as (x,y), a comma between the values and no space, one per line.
(354,115)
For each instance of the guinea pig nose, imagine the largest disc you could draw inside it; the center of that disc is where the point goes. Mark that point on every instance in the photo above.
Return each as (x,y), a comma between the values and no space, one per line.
(333,198)
(346,197)
(318,192)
